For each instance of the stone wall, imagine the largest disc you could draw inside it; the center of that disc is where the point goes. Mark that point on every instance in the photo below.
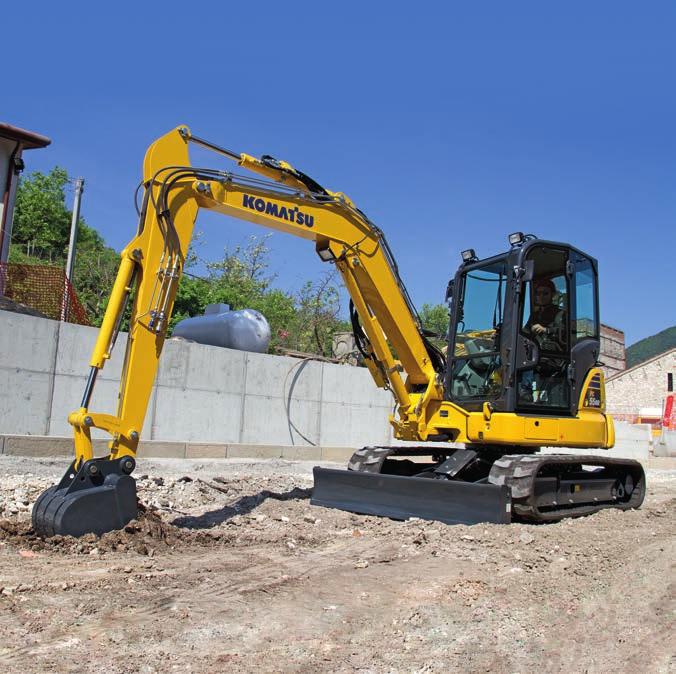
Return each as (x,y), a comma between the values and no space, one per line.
(642,386)
(613,354)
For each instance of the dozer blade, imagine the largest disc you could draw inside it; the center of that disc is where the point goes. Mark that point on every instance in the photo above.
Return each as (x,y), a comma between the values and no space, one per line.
(99,497)
(402,497)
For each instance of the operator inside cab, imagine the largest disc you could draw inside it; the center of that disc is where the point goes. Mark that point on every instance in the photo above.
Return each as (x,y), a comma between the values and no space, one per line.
(547,320)
(544,385)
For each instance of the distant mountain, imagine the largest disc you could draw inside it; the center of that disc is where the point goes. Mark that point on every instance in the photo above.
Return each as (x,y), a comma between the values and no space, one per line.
(651,346)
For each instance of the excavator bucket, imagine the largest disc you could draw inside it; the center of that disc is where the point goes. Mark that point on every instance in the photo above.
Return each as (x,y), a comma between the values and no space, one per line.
(401,497)
(98,497)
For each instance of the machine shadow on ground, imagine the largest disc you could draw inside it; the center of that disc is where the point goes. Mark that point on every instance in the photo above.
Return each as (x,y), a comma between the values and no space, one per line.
(242,506)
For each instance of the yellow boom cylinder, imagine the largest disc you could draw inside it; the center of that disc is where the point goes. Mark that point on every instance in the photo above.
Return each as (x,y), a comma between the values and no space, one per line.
(121,288)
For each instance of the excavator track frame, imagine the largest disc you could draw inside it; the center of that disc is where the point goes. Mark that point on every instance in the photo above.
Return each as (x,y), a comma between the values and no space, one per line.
(522,474)
(515,488)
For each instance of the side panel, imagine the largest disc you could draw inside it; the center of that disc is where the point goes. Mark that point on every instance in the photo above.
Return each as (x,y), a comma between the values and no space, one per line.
(541,429)
(589,429)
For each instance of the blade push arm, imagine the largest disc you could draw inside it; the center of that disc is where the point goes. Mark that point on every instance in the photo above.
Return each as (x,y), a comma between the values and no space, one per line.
(153,263)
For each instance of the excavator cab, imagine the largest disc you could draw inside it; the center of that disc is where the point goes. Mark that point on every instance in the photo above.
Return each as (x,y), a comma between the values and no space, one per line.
(524,328)
(521,373)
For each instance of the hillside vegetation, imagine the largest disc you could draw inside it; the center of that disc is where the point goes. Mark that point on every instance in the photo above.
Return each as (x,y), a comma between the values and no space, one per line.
(651,346)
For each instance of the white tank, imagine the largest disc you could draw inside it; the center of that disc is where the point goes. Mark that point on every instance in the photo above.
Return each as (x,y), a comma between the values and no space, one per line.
(245,330)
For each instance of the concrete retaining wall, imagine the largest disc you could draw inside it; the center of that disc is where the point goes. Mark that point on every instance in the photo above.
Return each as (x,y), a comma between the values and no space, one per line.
(204,394)
(53,446)
(201,394)
(665,445)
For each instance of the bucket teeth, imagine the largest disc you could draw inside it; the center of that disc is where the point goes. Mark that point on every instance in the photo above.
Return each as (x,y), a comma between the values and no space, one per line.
(98,497)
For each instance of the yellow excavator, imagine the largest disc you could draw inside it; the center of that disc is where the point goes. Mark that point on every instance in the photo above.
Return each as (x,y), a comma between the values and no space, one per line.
(520,371)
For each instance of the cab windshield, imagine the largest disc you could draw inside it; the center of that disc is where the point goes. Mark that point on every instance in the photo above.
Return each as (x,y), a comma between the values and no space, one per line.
(476,352)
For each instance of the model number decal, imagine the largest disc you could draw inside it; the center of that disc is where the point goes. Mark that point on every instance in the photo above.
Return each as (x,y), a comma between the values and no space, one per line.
(591,399)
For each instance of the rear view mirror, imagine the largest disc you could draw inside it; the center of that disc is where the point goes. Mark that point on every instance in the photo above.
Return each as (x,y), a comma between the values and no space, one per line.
(528,270)
(449,289)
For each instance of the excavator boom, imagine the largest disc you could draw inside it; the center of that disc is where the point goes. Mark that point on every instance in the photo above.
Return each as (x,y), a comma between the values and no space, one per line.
(150,269)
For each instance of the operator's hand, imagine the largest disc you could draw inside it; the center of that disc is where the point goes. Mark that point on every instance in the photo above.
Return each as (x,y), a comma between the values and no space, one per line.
(538,329)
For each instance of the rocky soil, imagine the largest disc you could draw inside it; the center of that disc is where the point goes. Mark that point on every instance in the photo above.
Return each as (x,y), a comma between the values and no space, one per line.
(229,568)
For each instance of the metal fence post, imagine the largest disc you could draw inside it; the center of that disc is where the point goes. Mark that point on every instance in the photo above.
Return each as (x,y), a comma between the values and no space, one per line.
(70,262)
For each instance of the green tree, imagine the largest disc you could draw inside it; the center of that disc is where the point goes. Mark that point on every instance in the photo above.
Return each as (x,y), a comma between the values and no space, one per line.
(242,279)
(434,317)
(93,277)
(316,319)
(41,217)
(41,232)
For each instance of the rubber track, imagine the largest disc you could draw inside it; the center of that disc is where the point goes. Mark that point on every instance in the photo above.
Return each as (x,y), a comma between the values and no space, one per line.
(519,471)
(369,459)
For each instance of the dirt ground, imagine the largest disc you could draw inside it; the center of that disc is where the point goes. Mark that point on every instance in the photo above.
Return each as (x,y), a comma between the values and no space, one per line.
(231,569)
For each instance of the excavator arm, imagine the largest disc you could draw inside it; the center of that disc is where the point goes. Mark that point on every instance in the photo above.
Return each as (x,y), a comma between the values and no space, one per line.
(277,196)
(152,264)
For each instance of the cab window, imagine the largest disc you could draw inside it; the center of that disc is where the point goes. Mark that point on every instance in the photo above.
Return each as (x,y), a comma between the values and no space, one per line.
(586,323)
(476,364)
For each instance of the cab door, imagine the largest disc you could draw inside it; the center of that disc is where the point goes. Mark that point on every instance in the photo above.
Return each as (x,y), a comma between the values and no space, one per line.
(558,340)
(543,340)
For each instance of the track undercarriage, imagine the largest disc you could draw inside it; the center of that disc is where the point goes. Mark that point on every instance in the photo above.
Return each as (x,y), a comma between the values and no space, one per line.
(479,484)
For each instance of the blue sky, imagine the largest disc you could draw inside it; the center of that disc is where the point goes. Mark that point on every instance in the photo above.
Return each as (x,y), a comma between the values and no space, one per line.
(451,124)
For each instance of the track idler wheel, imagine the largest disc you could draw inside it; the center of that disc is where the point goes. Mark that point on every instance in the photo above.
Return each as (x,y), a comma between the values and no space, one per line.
(98,497)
